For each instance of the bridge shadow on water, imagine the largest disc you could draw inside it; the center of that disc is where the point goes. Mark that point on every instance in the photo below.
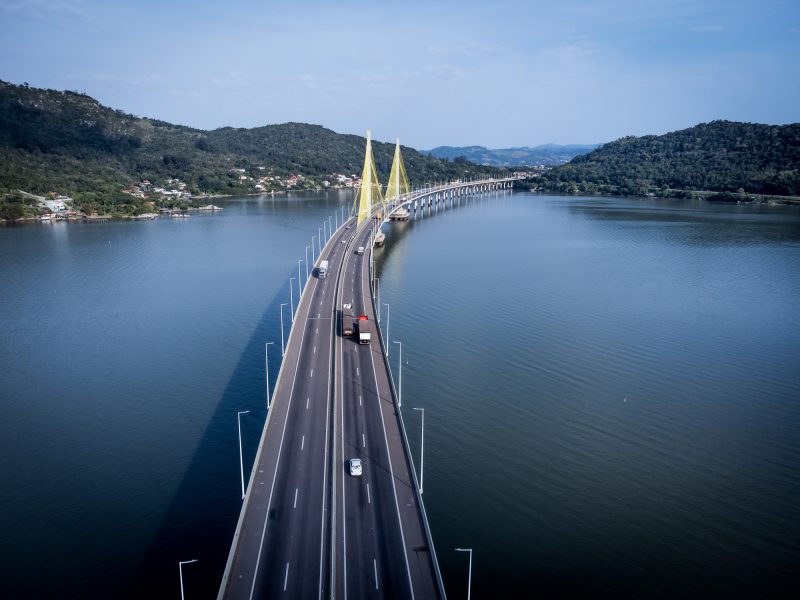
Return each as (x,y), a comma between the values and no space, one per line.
(201,519)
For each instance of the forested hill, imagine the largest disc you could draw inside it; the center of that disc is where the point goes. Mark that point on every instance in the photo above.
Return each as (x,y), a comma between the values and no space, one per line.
(721,156)
(69,143)
(545,154)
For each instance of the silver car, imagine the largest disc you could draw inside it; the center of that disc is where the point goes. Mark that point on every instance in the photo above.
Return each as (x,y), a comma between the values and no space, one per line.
(355,467)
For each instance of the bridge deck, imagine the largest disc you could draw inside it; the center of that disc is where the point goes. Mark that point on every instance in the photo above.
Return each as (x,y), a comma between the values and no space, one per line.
(308,529)
(381,543)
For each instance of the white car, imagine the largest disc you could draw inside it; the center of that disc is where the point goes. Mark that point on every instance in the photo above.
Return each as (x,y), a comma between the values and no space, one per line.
(355,467)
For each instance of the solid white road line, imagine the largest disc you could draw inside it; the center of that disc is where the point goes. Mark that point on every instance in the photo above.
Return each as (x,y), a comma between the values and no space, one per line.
(340,472)
(325,463)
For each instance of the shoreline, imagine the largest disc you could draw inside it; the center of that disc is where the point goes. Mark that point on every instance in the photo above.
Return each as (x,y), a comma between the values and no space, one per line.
(704,195)
(170,213)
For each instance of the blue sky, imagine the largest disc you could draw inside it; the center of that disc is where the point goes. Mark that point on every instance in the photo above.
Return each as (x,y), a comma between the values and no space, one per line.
(495,73)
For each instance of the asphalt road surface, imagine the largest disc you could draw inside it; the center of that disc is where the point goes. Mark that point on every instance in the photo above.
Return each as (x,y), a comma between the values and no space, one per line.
(308,529)
(381,548)
(282,541)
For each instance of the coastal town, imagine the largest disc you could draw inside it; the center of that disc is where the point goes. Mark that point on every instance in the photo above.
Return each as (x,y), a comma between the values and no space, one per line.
(55,207)
(175,198)
(258,184)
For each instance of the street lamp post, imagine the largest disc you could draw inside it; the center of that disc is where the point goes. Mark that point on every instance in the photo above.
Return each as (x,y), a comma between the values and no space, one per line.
(180,571)
(378,295)
(387,327)
(283,351)
(371,253)
(291,297)
(319,240)
(422,450)
(266,362)
(307,263)
(400,388)
(241,462)
(299,279)
(313,256)
(469,581)
(330,231)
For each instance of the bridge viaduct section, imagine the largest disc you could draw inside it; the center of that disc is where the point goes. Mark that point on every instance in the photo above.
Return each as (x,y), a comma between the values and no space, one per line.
(307,528)
(442,196)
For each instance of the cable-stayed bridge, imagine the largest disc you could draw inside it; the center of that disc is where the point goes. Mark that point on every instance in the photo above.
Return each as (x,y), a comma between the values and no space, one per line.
(308,528)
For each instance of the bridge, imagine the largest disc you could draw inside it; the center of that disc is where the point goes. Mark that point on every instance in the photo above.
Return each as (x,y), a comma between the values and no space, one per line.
(308,528)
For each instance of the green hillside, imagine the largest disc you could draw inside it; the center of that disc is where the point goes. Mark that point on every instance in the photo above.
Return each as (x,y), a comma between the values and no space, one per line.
(545,154)
(68,143)
(721,156)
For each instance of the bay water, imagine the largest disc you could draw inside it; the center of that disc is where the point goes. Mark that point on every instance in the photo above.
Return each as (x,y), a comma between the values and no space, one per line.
(611,390)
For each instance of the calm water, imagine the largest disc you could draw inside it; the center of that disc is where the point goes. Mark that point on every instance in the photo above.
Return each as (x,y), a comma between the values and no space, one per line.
(612,393)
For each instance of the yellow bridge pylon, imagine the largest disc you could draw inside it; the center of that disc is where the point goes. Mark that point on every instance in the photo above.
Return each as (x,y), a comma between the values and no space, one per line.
(370,193)
(398,180)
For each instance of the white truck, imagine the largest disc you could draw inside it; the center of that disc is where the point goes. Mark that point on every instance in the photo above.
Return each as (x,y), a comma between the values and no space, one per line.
(322,270)
(364,329)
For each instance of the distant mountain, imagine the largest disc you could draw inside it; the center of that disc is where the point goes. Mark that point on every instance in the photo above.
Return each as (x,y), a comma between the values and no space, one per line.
(545,154)
(721,156)
(69,143)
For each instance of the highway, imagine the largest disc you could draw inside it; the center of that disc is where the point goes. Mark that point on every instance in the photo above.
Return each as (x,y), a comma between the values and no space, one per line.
(282,541)
(381,547)
(308,529)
